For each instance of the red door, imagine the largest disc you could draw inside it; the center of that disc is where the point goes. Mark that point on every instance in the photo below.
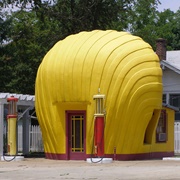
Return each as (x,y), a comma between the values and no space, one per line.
(75,136)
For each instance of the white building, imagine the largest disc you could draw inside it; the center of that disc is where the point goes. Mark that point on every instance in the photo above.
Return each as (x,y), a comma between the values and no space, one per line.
(170,63)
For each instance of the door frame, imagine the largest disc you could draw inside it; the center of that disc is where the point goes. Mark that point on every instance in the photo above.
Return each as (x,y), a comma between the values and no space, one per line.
(75,112)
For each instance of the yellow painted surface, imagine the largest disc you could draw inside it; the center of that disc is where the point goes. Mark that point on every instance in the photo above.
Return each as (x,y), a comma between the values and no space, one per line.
(126,70)
(169,145)
(12,136)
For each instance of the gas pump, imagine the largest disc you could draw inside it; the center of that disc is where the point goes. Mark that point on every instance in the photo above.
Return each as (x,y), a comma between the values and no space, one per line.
(12,121)
(99,125)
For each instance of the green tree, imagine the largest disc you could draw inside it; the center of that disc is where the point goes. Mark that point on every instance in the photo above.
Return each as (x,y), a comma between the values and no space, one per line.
(143,21)
(35,29)
(29,32)
(176,31)
(168,27)
(150,24)
(22,53)
(4,38)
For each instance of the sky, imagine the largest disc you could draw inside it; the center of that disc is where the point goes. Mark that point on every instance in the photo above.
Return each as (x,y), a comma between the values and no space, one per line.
(173,5)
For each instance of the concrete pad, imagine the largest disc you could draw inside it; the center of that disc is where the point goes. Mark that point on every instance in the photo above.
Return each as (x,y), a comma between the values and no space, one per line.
(43,169)
(12,158)
(172,158)
(99,160)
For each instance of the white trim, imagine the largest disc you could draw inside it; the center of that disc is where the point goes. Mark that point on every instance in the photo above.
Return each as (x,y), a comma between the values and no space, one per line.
(24,100)
(164,64)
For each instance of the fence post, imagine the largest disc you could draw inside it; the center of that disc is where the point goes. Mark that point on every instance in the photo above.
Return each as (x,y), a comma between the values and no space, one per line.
(177,137)
(26,133)
(1,128)
(20,138)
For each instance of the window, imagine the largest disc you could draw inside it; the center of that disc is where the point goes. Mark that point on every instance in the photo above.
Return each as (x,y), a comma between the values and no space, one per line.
(164,98)
(174,100)
(161,130)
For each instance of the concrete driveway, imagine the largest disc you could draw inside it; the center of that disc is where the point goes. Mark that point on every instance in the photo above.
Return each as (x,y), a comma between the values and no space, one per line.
(41,168)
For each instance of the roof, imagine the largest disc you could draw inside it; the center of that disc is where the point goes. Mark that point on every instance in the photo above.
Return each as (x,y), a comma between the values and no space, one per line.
(171,107)
(25,100)
(172,61)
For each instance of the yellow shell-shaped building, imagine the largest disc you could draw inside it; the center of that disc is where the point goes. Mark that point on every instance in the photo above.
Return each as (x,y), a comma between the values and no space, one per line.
(125,69)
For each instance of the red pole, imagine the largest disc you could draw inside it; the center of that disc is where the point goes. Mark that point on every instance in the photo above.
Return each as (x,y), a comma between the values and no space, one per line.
(99,135)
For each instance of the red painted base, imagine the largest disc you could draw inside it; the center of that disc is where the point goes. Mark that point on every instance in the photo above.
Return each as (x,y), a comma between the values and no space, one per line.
(99,136)
(118,157)
(56,156)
